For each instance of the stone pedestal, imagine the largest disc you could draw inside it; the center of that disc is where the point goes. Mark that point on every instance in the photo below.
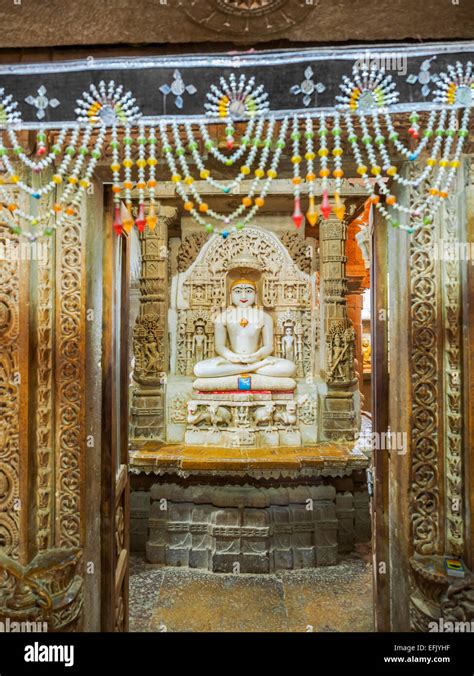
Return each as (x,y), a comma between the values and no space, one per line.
(243,528)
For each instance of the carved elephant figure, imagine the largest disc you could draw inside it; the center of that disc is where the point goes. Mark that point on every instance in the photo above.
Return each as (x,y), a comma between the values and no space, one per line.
(264,414)
(288,415)
(195,416)
(219,415)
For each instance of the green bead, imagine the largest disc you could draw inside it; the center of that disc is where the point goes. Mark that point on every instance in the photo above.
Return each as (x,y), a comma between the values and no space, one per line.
(41,136)
(267,144)
(280,145)
(463,133)
(352,138)
(55,150)
(16,229)
(3,152)
(48,232)
(323,132)
(245,140)
(208,145)
(229,162)
(336,131)
(379,140)
(167,150)
(96,154)
(439,132)
(295,136)
(193,146)
(240,226)
(70,150)
(83,150)
(309,134)
(152,140)
(209,227)
(141,140)
(428,133)
(427,220)
(18,150)
(394,223)
(393,136)
(127,141)
(180,152)
(451,132)
(366,139)
(113,144)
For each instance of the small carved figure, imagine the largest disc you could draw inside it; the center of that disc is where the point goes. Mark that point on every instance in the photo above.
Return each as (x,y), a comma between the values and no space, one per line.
(199,344)
(366,353)
(288,343)
(151,357)
(287,416)
(264,414)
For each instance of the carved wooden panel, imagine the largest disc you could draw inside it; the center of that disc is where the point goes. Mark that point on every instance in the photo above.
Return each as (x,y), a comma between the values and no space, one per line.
(70,382)
(10,384)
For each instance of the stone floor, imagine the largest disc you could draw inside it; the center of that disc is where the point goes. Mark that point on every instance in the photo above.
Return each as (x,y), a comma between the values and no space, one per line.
(336,598)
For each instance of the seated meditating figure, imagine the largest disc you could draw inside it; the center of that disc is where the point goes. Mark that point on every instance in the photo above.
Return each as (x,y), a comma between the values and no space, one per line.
(243,337)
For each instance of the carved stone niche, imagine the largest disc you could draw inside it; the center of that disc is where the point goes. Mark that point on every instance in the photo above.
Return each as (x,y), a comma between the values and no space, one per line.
(286,294)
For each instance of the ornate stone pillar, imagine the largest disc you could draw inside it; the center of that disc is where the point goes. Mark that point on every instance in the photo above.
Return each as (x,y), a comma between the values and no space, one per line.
(338,336)
(150,334)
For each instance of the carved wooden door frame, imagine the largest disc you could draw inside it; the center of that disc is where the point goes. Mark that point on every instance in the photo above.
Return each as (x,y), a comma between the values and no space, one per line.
(115,479)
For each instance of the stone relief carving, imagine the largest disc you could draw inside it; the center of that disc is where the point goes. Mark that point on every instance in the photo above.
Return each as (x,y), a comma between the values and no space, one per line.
(301,250)
(340,354)
(189,248)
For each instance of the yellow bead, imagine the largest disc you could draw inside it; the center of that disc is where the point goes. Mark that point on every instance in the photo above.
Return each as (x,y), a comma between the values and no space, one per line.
(362,169)
(259,173)
(204,173)
(189,180)
(14,178)
(57,179)
(271,173)
(176,178)
(296,180)
(115,166)
(431,161)
(127,163)
(324,173)
(72,179)
(391,171)
(296,159)
(337,152)
(152,161)
(311,177)
(443,163)
(375,170)
(245,170)
(141,163)
(455,164)
(323,152)
(309,156)
(84,183)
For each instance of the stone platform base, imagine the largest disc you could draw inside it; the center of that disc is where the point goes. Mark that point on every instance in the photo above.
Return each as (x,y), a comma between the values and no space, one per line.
(250,511)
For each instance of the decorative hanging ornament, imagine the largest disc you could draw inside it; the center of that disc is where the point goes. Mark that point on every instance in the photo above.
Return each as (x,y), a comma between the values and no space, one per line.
(369,88)
(456,87)
(107,105)
(9,115)
(236,100)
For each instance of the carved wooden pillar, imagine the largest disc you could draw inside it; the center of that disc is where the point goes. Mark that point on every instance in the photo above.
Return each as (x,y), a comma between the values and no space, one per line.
(150,334)
(337,359)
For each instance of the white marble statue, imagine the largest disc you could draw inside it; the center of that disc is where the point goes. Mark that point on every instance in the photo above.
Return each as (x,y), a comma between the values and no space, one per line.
(243,337)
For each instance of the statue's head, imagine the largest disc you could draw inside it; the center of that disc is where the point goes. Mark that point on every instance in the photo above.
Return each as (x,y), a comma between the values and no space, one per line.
(199,329)
(288,330)
(243,293)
